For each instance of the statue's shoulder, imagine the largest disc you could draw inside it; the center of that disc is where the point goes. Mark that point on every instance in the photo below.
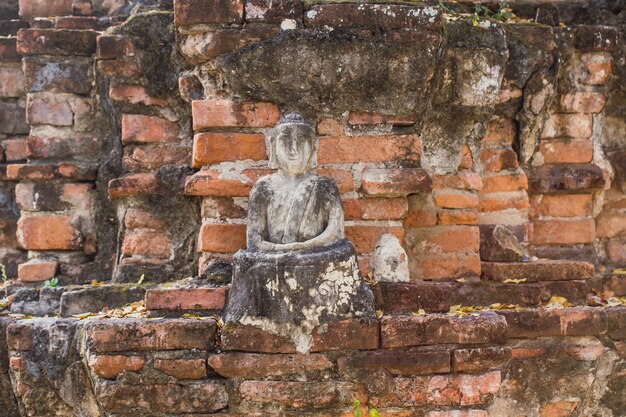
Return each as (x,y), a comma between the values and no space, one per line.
(263,185)
(327,184)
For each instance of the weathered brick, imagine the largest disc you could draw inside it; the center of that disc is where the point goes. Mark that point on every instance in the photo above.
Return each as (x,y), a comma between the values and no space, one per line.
(458,413)
(372,16)
(561,205)
(30,172)
(579,321)
(8,226)
(182,368)
(456,199)
(445,267)
(343,179)
(56,42)
(538,270)
(222,238)
(466,180)
(358,334)
(114,46)
(506,182)
(582,102)
(139,128)
(595,38)
(369,149)
(12,82)
(443,239)
(432,329)
(397,362)
(189,12)
(481,359)
(467,160)
(498,159)
(110,366)
(36,270)
(77,172)
(364,237)
(563,232)
(503,201)
(611,224)
(565,177)
(210,148)
(121,335)
(564,151)
(363,118)
(13,118)
(20,336)
(227,113)
(119,68)
(8,50)
(30,9)
(176,299)
(272,11)
(48,232)
(135,94)
(136,184)
(143,158)
(142,399)
(395,182)
(450,390)
(49,110)
(297,395)
(256,365)
(223,208)
(14,149)
(616,250)
(584,350)
(252,339)
(597,66)
(500,131)
(330,127)
(568,125)
(137,218)
(54,149)
(146,243)
(558,408)
(459,217)
(375,209)
(404,298)
(57,74)
(422,211)
(617,323)
(209,183)
(484,293)
(76,22)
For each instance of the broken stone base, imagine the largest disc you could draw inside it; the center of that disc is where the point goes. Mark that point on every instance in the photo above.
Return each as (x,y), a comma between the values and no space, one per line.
(290,294)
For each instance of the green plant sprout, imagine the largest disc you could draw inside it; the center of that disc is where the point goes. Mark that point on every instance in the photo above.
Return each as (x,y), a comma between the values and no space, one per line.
(3,270)
(358,412)
(51,283)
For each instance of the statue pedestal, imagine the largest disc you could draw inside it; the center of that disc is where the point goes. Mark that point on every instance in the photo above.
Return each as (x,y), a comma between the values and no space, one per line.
(290,294)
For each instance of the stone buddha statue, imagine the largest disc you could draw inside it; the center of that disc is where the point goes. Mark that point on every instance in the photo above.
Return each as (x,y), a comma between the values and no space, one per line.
(298,270)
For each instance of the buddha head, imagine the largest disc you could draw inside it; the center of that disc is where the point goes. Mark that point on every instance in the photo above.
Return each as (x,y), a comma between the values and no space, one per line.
(293,145)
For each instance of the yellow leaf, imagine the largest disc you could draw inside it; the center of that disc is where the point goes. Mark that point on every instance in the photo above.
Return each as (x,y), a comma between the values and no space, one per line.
(619,271)
(514,281)
(558,302)
(96,283)
(379,314)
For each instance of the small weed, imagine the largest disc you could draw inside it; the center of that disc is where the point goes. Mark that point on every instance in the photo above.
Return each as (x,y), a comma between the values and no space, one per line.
(3,271)
(358,411)
(503,14)
(51,283)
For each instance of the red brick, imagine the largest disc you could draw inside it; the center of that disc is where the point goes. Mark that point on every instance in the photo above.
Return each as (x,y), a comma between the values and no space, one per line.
(568,125)
(209,183)
(433,329)
(611,224)
(110,366)
(186,298)
(563,151)
(77,172)
(617,323)
(562,205)
(12,82)
(375,209)
(8,50)
(16,363)
(121,335)
(358,334)
(227,113)
(500,131)
(138,128)
(616,250)
(146,243)
(498,159)
(598,67)
(342,178)
(255,365)
(397,362)
(443,239)
(13,118)
(136,184)
(245,338)
(182,368)
(30,172)
(48,232)
(506,182)
(272,11)
(49,110)
(481,359)
(422,211)
(456,199)
(119,68)
(579,321)
(330,127)
(467,160)
(76,22)
(136,218)
(154,157)
(404,298)
(14,149)
(466,180)
(223,208)
(582,102)
(558,408)
(222,238)
(56,42)
(585,350)
(458,413)
(545,270)
(54,148)
(362,118)
(369,149)
(114,46)
(30,9)
(460,217)
(210,148)
(20,336)
(395,182)
(190,12)
(566,177)
(445,267)
(37,270)
(563,232)
(503,201)
(8,227)
(441,390)
(364,237)
(135,94)
(302,395)
(595,38)
(370,16)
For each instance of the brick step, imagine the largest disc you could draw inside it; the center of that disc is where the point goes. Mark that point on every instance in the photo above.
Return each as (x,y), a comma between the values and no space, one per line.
(543,270)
